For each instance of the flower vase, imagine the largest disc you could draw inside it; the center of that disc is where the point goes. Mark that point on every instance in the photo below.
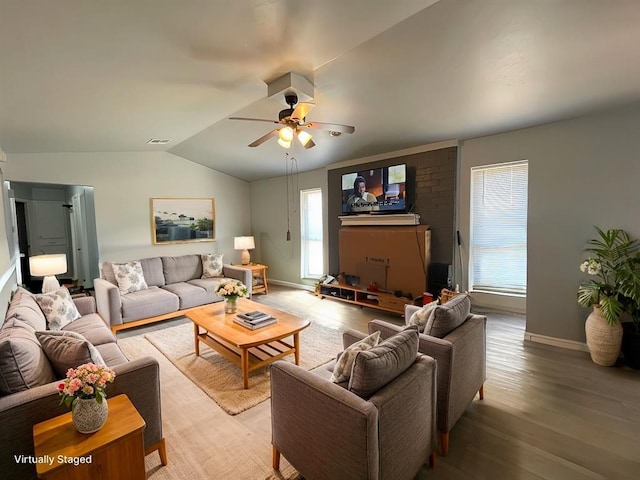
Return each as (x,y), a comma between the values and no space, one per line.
(230,304)
(604,340)
(88,415)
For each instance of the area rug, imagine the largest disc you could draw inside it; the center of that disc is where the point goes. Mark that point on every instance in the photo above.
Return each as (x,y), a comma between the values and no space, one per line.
(222,380)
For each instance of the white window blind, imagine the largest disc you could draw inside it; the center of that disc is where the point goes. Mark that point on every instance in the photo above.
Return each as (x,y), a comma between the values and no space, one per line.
(312,259)
(498,252)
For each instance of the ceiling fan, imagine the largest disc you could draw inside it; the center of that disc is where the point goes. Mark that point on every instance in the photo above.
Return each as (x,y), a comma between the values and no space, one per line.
(293,124)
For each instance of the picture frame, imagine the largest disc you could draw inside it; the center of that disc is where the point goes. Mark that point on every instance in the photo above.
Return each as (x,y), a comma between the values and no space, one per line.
(182,220)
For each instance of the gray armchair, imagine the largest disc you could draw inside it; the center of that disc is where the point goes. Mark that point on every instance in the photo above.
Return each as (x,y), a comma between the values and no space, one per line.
(461,359)
(327,431)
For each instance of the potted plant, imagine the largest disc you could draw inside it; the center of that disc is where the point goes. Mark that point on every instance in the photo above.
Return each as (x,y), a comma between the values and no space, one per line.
(612,259)
(631,300)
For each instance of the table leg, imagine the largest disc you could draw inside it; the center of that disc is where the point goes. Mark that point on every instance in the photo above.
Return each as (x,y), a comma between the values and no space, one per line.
(296,347)
(244,366)
(196,331)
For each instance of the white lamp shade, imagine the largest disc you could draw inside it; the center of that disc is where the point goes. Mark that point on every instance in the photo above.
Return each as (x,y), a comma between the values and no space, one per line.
(46,265)
(243,243)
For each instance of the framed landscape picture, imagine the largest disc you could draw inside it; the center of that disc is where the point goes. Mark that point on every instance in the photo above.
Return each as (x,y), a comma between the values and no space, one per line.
(182,220)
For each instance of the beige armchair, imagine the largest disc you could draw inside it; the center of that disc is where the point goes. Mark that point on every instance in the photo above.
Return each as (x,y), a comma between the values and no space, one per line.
(327,431)
(461,360)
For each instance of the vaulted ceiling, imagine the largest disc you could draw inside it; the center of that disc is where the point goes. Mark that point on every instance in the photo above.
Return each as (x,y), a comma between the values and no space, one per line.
(82,76)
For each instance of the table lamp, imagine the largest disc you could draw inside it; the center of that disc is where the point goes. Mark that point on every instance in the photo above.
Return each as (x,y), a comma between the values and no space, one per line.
(48,266)
(245,244)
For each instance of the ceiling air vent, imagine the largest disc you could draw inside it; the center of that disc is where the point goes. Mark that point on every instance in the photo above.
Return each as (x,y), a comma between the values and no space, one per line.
(158,141)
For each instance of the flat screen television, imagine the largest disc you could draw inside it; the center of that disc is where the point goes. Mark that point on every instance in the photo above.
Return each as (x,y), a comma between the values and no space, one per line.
(375,190)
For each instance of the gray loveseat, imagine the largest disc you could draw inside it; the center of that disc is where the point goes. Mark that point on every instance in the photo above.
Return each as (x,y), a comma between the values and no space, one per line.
(175,286)
(28,380)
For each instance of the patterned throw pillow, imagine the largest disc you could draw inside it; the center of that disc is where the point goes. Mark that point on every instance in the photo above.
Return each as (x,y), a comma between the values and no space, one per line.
(421,317)
(58,308)
(342,370)
(211,265)
(129,277)
(66,350)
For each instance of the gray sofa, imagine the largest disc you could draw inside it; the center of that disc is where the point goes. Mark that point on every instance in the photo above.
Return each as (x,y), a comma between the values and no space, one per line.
(28,380)
(175,286)
(380,424)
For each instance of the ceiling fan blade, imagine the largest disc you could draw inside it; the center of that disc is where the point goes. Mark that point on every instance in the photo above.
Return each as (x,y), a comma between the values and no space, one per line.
(302,110)
(309,144)
(264,138)
(254,119)
(336,127)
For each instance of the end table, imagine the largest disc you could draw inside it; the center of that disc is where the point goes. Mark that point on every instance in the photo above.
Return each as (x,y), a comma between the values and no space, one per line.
(259,275)
(114,451)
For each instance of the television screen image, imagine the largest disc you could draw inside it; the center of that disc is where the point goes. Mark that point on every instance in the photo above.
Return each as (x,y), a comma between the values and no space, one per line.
(377,190)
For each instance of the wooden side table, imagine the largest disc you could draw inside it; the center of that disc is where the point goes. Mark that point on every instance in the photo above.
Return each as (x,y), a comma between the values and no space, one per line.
(259,274)
(114,451)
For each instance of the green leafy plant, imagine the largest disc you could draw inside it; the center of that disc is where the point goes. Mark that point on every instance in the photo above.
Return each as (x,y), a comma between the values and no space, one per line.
(613,260)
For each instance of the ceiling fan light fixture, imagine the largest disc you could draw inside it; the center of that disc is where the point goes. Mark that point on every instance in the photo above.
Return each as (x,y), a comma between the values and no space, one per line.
(303,137)
(284,143)
(286,135)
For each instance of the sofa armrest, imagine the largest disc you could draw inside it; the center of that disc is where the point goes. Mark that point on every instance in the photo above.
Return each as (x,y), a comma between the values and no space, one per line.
(108,301)
(408,311)
(243,274)
(19,412)
(85,305)
(349,439)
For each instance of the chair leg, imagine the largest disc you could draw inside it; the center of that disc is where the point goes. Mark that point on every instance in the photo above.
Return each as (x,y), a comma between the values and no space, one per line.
(481,392)
(432,459)
(444,443)
(276,458)
(162,451)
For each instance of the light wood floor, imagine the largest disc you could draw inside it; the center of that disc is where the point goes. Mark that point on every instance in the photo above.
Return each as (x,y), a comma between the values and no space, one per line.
(548,413)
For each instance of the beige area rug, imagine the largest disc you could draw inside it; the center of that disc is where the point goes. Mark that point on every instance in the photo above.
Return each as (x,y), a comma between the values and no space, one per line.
(222,380)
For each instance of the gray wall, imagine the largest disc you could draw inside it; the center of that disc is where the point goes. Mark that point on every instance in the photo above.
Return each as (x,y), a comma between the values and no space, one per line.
(269,223)
(123,184)
(582,172)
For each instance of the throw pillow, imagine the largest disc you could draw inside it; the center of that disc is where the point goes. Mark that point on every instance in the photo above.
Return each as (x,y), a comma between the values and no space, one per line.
(378,366)
(58,308)
(448,316)
(342,370)
(23,363)
(211,265)
(66,350)
(129,277)
(422,316)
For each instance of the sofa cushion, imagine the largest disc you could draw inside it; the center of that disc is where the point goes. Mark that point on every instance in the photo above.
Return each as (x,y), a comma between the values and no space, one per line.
(209,284)
(211,265)
(421,317)
(344,364)
(152,271)
(66,349)
(23,363)
(182,268)
(93,328)
(24,306)
(189,295)
(148,303)
(58,308)
(449,316)
(112,354)
(129,276)
(376,367)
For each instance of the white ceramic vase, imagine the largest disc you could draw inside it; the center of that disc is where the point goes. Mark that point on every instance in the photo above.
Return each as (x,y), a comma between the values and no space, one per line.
(604,340)
(88,415)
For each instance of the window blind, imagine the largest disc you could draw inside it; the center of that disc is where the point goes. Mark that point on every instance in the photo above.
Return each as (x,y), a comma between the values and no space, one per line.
(498,243)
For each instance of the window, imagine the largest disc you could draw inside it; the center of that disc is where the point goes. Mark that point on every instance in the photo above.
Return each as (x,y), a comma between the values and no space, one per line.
(498,253)
(312,258)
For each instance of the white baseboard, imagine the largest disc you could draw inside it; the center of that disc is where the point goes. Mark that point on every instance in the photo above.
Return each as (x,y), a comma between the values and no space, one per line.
(556,342)
(310,288)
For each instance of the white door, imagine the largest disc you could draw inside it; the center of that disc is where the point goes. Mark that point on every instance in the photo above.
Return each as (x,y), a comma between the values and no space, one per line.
(79,239)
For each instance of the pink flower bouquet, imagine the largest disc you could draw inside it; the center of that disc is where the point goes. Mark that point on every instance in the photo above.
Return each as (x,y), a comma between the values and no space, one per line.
(86,381)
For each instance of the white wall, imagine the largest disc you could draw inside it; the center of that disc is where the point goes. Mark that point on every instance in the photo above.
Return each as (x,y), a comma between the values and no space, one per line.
(582,172)
(269,223)
(123,184)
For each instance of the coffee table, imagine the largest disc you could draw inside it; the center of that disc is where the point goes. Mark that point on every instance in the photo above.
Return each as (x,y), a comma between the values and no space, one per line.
(249,349)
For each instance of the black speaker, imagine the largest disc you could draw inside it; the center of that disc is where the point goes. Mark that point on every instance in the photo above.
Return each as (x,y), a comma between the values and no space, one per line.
(439,276)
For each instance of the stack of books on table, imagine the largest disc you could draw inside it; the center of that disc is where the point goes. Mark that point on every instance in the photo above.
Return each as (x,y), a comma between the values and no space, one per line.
(254,320)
